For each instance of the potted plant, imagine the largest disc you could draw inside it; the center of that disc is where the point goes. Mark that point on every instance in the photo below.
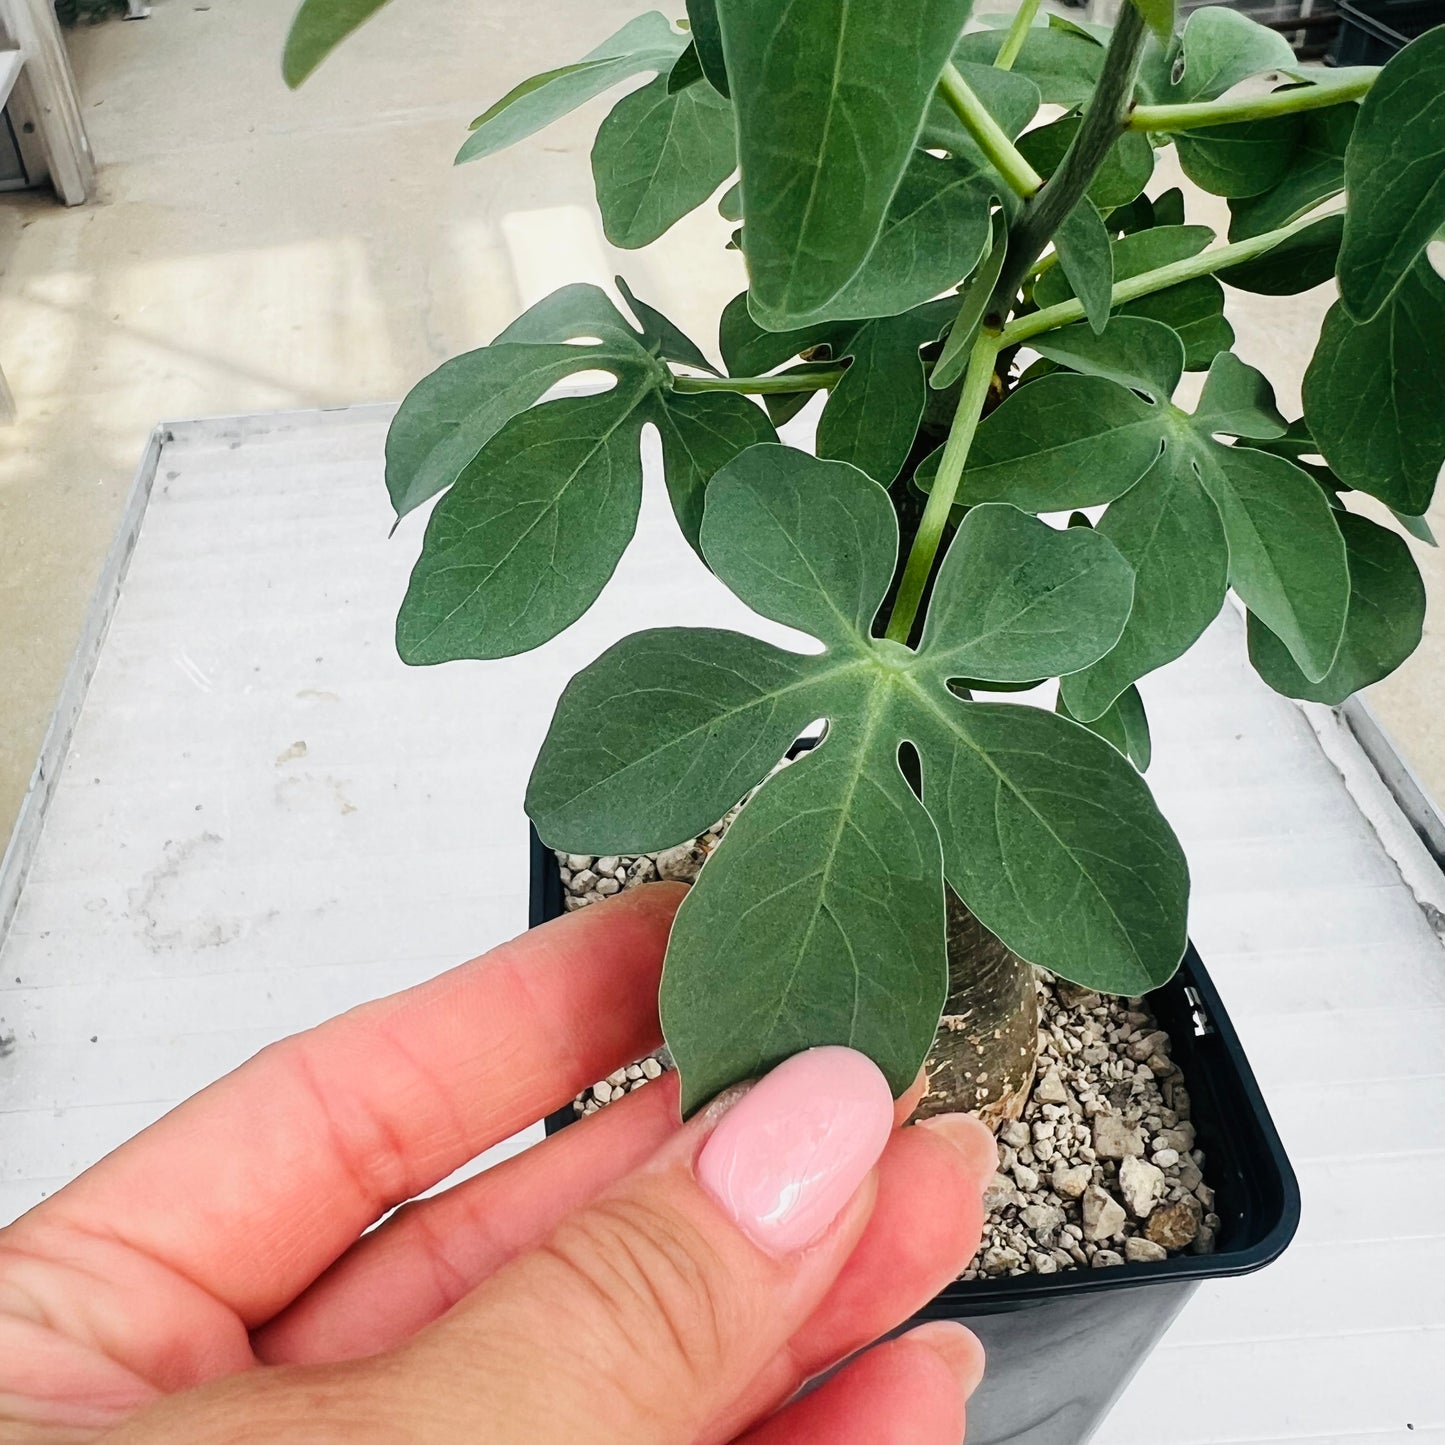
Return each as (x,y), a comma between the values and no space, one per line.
(950,235)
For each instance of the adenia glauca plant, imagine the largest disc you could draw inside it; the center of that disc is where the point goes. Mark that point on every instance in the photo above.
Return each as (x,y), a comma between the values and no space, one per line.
(949,233)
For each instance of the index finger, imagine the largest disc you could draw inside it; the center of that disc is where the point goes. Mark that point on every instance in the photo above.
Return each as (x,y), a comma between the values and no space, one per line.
(254,1186)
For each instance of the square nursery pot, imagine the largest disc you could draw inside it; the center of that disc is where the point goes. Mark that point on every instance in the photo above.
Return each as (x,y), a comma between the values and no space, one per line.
(1062,1347)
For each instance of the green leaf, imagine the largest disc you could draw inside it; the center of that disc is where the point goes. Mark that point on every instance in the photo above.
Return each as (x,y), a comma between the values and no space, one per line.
(1195,311)
(1316,171)
(730,203)
(1062,63)
(818,921)
(1125,170)
(1052,840)
(1086,259)
(974,301)
(647,43)
(1169,531)
(655,740)
(1383,627)
(1061,441)
(1010,98)
(449,416)
(668,728)
(829,100)
(563,479)
(1286,556)
(1299,263)
(686,70)
(1016,599)
(1244,159)
(660,335)
(319,27)
(1237,400)
(1417,527)
(873,413)
(701,432)
(707,37)
(1374,395)
(934,233)
(1394,176)
(573,313)
(658,155)
(1132,350)
(1219,48)
(811,544)
(1123,724)
(1159,17)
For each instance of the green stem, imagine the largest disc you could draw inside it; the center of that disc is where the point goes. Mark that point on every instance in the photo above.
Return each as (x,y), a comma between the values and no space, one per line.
(1255,107)
(762,385)
(1101,126)
(1204,264)
(919,566)
(992,139)
(1018,32)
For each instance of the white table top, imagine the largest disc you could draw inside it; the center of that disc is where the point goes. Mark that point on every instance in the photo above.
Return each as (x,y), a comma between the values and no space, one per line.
(264,817)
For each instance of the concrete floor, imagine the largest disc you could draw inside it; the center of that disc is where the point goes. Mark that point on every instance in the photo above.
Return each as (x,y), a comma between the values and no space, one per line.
(251,249)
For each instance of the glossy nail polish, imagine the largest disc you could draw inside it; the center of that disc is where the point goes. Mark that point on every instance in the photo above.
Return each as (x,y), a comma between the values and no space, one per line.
(791,1153)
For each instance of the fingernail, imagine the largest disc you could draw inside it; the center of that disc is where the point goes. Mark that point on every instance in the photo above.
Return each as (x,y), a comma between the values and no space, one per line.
(971,1138)
(791,1153)
(957,1346)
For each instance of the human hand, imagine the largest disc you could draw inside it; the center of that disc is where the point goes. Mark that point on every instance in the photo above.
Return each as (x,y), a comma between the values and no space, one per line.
(629,1280)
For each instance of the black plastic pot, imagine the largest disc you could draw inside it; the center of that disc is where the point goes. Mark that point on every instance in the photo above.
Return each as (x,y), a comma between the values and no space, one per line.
(1371,31)
(1062,1347)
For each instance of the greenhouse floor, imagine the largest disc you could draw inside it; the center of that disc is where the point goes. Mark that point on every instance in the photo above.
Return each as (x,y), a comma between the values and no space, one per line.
(262,818)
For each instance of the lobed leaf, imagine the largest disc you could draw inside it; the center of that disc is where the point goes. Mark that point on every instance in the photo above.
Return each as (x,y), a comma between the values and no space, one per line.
(819,920)
(1016,599)
(810,543)
(531,530)
(1169,531)
(1237,400)
(1135,351)
(1123,724)
(1383,627)
(1286,555)
(1053,841)
(1061,441)
(656,739)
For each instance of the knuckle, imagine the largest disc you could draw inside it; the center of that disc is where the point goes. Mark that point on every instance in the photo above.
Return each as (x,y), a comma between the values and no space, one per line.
(654,1277)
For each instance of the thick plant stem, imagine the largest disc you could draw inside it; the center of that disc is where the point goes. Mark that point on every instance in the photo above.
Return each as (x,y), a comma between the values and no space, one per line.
(762,385)
(1018,32)
(1255,107)
(1101,126)
(1206,263)
(919,566)
(985,1052)
(992,139)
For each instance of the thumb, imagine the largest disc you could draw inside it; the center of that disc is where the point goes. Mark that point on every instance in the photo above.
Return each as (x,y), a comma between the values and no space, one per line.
(650,1314)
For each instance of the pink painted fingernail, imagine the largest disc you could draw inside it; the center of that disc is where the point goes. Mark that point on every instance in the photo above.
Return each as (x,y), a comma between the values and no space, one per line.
(791,1153)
